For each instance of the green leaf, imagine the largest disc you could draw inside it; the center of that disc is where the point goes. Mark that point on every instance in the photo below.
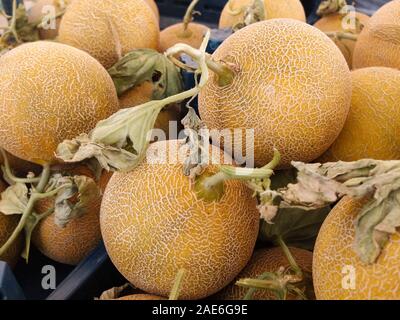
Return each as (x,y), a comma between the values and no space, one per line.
(14,199)
(143,65)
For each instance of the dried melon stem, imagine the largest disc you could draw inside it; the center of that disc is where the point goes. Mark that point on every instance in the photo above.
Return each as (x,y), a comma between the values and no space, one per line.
(328,7)
(342,36)
(188,18)
(284,281)
(252,14)
(233,12)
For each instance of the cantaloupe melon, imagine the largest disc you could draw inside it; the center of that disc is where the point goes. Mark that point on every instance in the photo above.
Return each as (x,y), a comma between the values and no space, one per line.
(379,43)
(338,272)
(108,30)
(335,23)
(41,9)
(143,93)
(291,85)
(265,260)
(154,224)
(233,12)
(69,245)
(176,33)
(154,7)
(372,129)
(7,225)
(50,92)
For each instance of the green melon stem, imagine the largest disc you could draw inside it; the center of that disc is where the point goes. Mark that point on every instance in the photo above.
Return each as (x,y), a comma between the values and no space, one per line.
(188,18)
(8,172)
(252,290)
(225,73)
(177,286)
(289,257)
(342,35)
(37,194)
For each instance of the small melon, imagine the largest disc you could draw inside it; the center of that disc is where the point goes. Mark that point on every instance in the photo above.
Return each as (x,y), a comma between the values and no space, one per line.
(176,33)
(379,43)
(291,87)
(108,30)
(40,9)
(143,93)
(154,7)
(292,9)
(71,244)
(335,23)
(50,92)
(7,225)
(154,224)
(372,129)
(265,260)
(339,274)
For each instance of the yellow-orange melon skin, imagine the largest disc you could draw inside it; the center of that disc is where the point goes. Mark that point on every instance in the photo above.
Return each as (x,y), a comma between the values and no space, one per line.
(265,260)
(292,9)
(292,87)
(7,225)
(143,93)
(108,30)
(335,258)
(379,42)
(69,245)
(50,92)
(153,225)
(154,7)
(193,35)
(142,297)
(39,10)
(334,23)
(372,129)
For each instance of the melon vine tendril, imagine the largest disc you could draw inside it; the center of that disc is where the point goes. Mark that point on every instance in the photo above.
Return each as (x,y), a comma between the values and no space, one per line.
(188,18)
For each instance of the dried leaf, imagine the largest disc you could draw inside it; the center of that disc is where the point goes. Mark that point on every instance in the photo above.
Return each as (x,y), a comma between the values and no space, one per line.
(113,293)
(14,199)
(380,180)
(142,65)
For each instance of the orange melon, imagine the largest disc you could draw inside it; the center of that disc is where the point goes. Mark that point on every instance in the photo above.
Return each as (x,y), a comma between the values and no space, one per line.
(339,274)
(39,10)
(379,43)
(291,85)
(154,7)
(108,30)
(292,9)
(176,33)
(154,224)
(7,225)
(334,23)
(50,92)
(372,128)
(265,260)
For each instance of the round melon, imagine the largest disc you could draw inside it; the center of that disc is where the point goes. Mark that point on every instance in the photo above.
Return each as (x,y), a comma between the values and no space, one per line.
(372,129)
(50,92)
(108,30)
(334,23)
(154,224)
(7,225)
(292,9)
(71,244)
(339,274)
(175,34)
(154,7)
(292,88)
(379,42)
(39,10)
(265,260)
(143,93)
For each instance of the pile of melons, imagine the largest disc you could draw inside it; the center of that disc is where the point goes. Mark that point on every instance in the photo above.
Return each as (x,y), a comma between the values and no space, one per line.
(77,99)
